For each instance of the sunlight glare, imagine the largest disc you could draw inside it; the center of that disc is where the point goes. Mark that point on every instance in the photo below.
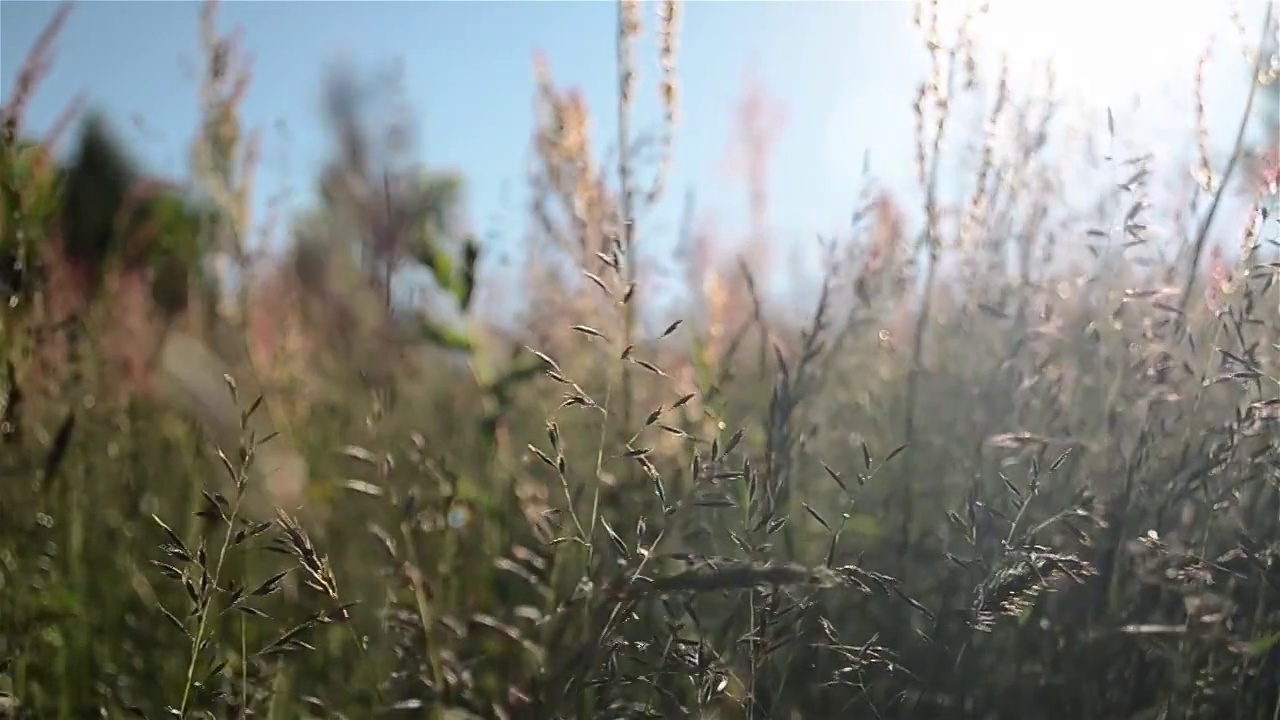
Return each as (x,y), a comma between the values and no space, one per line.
(1105,53)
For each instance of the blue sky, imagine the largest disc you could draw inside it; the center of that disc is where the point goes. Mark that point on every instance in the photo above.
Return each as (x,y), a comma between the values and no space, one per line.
(469,74)
(844,74)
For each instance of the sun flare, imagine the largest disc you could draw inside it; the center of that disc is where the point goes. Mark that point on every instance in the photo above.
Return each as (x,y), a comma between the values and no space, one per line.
(1106,52)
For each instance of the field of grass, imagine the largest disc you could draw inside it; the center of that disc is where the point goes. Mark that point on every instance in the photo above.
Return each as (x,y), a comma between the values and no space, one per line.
(1020,464)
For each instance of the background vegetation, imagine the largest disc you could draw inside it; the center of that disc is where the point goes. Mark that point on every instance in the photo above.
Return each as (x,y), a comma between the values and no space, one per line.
(1023,463)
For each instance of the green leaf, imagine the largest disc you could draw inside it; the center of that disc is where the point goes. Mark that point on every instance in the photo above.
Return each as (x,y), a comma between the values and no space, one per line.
(441,266)
(464,284)
(1264,644)
(445,337)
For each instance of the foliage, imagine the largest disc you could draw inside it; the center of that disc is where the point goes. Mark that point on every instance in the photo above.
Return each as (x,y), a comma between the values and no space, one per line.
(991,474)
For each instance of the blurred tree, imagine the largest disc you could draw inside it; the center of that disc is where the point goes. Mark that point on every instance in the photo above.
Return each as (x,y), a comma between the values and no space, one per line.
(97,214)
(393,215)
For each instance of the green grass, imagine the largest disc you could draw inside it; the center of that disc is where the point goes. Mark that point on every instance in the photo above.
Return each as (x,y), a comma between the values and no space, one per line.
(1048,489)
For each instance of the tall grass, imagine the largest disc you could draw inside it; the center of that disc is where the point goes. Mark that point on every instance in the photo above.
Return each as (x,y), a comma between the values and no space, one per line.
(1023,463)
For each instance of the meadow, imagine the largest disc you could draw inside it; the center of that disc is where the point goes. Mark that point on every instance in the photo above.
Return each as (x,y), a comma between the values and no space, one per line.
(1018,463)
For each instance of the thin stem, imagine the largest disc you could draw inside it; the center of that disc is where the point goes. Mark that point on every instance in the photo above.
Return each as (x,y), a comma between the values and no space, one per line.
(1202,235)
(206,603)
